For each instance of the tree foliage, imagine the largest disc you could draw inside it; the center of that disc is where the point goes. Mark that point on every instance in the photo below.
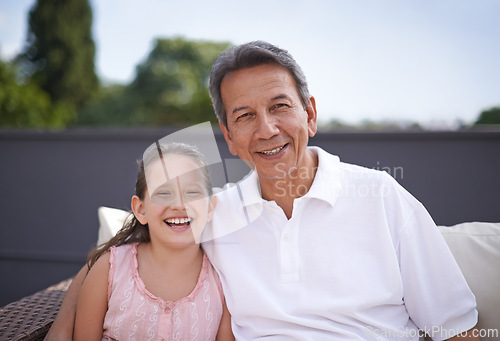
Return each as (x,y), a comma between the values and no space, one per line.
(110,107)
(26,105)
(59,53)
(170,87)
(57,73)
(490,116)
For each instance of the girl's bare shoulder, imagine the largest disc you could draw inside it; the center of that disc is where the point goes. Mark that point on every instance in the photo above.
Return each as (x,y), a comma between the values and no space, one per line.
(101,266)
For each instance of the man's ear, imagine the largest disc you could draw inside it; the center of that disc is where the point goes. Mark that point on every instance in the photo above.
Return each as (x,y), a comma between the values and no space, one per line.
(211,207)
(227,137)
(312,116)
(139,210)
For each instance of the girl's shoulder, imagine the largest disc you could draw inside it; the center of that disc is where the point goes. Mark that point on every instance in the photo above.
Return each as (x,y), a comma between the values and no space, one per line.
(101,266)
(102,260)
(125,247)
(123,250)
(119,262)
(110,256)
(123,256)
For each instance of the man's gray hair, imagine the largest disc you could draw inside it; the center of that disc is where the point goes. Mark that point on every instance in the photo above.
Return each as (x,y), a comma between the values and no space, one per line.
(248,55)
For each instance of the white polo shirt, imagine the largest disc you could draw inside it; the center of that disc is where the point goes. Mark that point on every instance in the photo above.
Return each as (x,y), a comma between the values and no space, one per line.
(359,259)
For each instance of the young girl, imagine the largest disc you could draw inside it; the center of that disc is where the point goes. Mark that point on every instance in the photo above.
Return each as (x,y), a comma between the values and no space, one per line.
(152,281)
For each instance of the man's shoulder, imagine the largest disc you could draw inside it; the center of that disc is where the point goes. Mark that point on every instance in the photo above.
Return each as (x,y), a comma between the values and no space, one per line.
(328,162)
(246,190)
(238,205)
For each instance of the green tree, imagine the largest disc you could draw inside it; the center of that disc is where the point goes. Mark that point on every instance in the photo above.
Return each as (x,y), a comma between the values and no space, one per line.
(170,87)
(59,54)
(26,105)
(490,116)
(110,107)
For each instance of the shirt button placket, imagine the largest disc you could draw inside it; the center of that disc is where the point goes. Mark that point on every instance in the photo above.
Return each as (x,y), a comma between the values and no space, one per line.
(288,252)
(165,323)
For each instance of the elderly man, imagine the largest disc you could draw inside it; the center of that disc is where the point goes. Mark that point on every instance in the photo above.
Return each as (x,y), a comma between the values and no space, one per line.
(330,251)
(337,251)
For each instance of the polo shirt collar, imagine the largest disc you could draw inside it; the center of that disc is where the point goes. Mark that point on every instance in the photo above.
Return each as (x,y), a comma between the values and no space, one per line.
(326,185)
(250,189)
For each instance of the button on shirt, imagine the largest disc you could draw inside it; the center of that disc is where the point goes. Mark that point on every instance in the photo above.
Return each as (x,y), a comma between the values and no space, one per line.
(360,259)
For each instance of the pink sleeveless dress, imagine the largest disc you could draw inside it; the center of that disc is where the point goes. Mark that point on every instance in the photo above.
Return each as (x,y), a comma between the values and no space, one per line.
(136,314)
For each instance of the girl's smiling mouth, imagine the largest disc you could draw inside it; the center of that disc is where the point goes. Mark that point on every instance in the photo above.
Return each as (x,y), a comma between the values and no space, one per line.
(178,223)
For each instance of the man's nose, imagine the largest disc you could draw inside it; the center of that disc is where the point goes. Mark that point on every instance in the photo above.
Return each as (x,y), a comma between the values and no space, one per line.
(267,126)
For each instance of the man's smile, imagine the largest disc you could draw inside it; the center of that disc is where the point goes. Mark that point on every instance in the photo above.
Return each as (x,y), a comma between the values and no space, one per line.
(273,151)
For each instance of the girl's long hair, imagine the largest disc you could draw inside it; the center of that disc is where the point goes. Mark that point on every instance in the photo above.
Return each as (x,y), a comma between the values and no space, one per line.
(133,231)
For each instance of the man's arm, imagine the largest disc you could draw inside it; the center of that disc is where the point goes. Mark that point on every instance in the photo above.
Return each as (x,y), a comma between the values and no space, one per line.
(225,333)
(62,328)
(92,302)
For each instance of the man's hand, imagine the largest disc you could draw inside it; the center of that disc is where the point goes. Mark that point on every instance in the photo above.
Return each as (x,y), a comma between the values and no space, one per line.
(62,328)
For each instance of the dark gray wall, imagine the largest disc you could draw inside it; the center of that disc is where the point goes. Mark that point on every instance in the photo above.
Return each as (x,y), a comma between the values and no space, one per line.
(52,184)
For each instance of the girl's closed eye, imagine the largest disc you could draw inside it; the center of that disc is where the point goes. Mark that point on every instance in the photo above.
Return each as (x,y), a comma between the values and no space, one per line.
(195,192)
(162,193)
(162,196)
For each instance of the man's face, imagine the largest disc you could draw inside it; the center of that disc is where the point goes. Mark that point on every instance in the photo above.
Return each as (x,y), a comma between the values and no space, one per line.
(267,123)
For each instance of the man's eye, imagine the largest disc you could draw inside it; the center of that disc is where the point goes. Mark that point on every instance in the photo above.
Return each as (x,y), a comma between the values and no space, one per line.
(279,106)
(243,116)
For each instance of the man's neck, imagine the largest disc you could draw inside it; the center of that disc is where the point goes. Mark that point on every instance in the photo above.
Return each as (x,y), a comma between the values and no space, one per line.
(285,190)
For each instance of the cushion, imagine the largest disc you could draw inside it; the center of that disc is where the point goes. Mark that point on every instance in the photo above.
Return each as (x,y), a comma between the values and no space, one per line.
(476,248)
(110,222)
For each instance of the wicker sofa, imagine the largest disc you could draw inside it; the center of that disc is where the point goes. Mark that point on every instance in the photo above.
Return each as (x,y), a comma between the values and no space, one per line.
(30,318)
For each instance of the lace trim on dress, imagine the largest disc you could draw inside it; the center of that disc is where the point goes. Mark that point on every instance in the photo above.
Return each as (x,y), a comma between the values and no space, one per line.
(111,273)
(166,304)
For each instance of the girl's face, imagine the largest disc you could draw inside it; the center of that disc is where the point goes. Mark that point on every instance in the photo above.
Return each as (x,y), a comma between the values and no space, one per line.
(176,205)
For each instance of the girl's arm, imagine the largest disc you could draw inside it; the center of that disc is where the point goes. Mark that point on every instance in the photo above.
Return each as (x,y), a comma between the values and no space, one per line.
(93,302)
(225,333)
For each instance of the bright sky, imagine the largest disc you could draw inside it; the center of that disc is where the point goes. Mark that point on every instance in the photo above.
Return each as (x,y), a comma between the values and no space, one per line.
(418,60)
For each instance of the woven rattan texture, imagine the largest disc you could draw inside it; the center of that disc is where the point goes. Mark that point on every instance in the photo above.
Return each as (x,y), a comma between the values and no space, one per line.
(31,317)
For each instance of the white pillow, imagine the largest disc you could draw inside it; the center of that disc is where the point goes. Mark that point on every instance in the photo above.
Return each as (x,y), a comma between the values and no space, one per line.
(476,248)
(110,222)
